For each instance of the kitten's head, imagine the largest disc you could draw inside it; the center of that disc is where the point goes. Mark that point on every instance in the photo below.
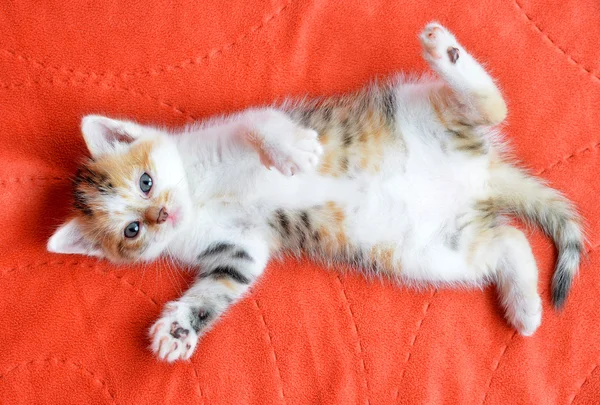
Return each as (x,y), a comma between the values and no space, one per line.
(131,197)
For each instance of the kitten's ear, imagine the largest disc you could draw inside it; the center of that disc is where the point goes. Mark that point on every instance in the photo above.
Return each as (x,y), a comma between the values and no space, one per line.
(101,133)
(69,239)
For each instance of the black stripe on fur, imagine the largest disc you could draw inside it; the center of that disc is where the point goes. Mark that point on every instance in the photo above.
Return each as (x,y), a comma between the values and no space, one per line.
(229,272)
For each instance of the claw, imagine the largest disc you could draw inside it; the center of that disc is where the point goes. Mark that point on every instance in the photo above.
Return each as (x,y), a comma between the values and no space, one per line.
(155,328)
(162,340)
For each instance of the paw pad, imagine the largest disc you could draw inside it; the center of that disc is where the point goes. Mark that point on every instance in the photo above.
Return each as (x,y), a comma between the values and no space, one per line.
(438,42)
(178,332)
(172,336)
(453,54)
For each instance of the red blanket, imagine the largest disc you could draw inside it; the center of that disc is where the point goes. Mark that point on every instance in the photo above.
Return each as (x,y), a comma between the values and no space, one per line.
(73,330)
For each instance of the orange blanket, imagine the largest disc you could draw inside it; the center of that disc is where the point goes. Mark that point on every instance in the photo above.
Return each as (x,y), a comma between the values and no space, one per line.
(73,330)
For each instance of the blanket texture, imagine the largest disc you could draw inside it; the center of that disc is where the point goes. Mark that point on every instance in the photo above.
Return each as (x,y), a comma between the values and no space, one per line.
(73,330)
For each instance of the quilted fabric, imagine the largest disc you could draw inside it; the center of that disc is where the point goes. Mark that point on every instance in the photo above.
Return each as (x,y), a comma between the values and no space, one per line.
(73,330)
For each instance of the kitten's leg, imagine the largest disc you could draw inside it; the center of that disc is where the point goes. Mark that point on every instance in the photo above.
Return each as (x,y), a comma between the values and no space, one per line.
(516,275)
(281,142)
(473,92)
(226,272)
(278,140)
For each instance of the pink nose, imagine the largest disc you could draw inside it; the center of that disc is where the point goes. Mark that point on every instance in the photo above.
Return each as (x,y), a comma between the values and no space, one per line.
(156,215)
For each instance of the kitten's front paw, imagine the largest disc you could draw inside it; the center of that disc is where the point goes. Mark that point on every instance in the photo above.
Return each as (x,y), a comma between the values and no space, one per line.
(439,45)
(173,337)
(287,146)
(297,155)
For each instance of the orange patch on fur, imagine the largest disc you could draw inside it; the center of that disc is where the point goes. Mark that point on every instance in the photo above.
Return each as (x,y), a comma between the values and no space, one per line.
(121,167)
(444,104)
(336,212)
(326,240)
(227,283)
(373,137)
(364,162)
(358,145)
(341,238)
(104,178)
(327,166)
(338,217)
(324,138)
(383,256)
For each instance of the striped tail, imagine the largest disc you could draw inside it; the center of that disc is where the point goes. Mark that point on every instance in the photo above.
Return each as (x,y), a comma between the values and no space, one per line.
(518,193)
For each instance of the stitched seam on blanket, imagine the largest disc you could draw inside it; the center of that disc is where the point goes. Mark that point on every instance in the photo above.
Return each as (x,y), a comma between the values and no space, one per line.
(360,347)
(414,338)
(556,46)
(54,361)
(578,391)
(81,264)
(153,71)
(569,157)
(269,339)
(104,84)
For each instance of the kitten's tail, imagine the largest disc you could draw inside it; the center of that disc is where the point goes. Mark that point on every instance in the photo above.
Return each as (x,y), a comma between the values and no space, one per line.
(515,192)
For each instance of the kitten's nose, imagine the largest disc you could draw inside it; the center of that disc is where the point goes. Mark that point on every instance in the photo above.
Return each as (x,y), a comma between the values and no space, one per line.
(156,215)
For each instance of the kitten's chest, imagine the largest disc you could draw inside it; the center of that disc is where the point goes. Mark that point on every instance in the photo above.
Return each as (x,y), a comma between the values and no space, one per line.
(220,220)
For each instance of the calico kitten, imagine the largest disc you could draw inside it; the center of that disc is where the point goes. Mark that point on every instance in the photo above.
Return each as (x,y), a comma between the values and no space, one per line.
(407,179)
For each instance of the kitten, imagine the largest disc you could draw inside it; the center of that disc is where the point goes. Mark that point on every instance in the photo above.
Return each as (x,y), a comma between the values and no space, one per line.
(407,179)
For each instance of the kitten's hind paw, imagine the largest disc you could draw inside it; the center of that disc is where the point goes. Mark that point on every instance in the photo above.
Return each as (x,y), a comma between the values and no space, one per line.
(173,337)
(439,45)
(528,316)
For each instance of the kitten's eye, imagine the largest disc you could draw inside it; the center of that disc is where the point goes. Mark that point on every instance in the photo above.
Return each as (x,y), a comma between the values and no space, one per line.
(132,230)
(145,183)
